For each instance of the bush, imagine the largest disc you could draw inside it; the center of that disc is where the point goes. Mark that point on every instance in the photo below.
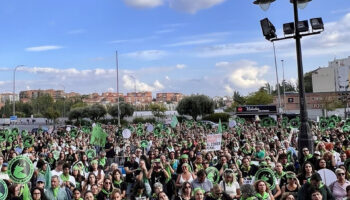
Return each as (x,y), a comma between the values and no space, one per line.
(181,119)
(113,121)
(143,120)
(216,116)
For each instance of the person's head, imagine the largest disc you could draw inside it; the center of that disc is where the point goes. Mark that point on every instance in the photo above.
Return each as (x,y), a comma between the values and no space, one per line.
(340,174)
(279,167)
(306,151)
(92,178)
(40,182)
(139,187)
(283,158)
(117,175)
(116,194)
(76,194)
(94,189)
(316,195)
(229,176)
(37,193)
(55,183)
(59,165)
(343,156)
(185,167)
(186,188)
(308,168)
(287,196)
(162,196)
(201,175)
(157,187)
(315,180)
(322,163)
(216,191)
(261,186)
(89,195)
(291,177)
(94,164)
(246,162)
(66,168)
(247,190)
(107,184)
(198,194)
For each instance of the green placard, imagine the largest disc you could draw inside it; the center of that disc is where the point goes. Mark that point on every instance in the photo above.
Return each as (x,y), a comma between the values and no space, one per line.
(156,132)
(267,175)
(144,144)
(56,155)
(295,122)
(90,153)
(213,174)
(28,141)
(24,133)
(3,190)
(11,138)
(20,169)
(3,135)
(139,131)
(14,131)
(73,133)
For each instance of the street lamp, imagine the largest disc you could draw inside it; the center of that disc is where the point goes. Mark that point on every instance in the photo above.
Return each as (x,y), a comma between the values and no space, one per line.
(117,66)
(64,100)
(14,90)
(269,31)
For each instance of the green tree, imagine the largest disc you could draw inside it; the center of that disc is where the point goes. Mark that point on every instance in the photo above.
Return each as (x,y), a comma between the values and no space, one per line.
(260,97)
(41,103)
(195,105)
(51,114)
(96,112)
(308,82)
(158,110)
(125,110)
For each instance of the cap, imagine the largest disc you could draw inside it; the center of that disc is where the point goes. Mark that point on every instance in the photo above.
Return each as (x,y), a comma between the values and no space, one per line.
(5,164)
(317,153)
(40,179)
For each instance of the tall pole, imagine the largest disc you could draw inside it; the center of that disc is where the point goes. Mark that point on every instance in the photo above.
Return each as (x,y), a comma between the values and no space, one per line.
(284,87)
(278,83)
(118,88)
(64,100)
(304,137)
(14,91)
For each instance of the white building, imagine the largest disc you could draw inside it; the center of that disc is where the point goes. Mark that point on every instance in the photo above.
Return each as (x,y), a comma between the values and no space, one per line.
(333,78)
(8,97)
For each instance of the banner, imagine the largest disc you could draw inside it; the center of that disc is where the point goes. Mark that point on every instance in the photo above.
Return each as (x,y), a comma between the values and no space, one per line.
(214,142)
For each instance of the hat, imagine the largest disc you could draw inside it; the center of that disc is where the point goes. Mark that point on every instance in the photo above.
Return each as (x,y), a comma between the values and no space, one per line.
(40,179)
(317,153)
(263,164)
(5,164)
(184,156)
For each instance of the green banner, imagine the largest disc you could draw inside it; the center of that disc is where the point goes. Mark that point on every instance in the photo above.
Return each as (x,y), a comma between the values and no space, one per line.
(3,190)
(267,175)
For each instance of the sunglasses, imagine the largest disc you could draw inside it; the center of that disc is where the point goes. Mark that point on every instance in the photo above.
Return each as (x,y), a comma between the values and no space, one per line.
(341,174)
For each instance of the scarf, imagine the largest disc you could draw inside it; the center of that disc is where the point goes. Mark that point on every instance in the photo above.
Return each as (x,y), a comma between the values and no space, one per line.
(279,176)
(264,197)
(308,156)
(64,178)
(117,183)
(55,191)
(106,193)
(102,161)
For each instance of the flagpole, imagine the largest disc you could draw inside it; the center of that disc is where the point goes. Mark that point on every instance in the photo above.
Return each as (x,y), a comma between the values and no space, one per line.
(118,88)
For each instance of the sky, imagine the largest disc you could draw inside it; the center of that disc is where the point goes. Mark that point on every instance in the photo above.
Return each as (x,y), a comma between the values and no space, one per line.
(212,47)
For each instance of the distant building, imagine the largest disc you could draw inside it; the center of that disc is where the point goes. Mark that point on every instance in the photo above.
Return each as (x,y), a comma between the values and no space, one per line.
(138,98)
(28,95)
(333,78)
(8,97)
(168,97)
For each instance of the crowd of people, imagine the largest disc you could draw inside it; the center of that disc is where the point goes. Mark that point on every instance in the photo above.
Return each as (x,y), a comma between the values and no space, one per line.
(178,165)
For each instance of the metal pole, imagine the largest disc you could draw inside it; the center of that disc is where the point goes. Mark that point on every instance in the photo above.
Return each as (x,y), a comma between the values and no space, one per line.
(64,100)
(14,91)
(278,83)
(118,88)
(304,137)
(284,87)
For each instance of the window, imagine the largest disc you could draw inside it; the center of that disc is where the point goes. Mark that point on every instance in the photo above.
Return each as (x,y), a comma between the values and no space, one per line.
(290,100)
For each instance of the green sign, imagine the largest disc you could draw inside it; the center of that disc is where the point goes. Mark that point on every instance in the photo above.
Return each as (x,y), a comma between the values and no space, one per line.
(73,133)
(56,155)
(11,138)
(14,131)
(213,174)
(90,153)
(144,144)
(20,169)
(295,122)
(3,190)
(267,175)
(28,141)
(3,135)
(24,133)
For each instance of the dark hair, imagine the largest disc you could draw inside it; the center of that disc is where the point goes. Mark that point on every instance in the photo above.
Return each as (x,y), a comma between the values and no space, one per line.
(347,188)
(201,172)
(303,172)
(66,165)
(314,190)
(247,190)
(183,186)
(316,177)
(42,194)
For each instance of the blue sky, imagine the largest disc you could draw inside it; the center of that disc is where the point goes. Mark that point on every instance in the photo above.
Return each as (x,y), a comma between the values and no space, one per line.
(212,47)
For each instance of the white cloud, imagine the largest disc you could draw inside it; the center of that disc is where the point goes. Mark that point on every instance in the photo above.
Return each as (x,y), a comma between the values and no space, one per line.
(228,89)
(180,66)
(144,3)
(43,48)
(147,54)
(110,89)
(165,31)
(192,6)
(167,78)
(191,42)
(129,83)
(243,74)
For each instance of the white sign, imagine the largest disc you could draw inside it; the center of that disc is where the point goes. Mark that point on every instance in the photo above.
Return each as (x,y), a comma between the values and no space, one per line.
(214,142)
(150,128)
(231,123)
(126,133)
(327,176)
(248,180)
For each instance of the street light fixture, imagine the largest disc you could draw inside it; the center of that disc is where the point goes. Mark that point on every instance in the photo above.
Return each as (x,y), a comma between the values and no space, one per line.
(264,4)
(14,90)
(304,138)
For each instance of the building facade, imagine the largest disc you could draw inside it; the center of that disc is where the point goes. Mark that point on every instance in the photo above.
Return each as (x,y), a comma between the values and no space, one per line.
(138,98)
(28,95)
(168,97)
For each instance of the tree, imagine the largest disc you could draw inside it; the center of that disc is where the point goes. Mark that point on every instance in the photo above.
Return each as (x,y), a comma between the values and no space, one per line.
(51,114)
(308,82)
(158,110)
(195,106)
(260,97)
(77,114)
(41,103)
(96,111)
(125,110)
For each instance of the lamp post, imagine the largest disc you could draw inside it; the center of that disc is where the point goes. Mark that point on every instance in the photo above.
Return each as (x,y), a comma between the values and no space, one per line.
(284,87)
(116,53)
(134,87)
(304,137)
(14,90)
(278,83)
(64,100)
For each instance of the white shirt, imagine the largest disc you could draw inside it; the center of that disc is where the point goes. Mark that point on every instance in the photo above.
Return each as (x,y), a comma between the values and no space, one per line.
(229,189)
